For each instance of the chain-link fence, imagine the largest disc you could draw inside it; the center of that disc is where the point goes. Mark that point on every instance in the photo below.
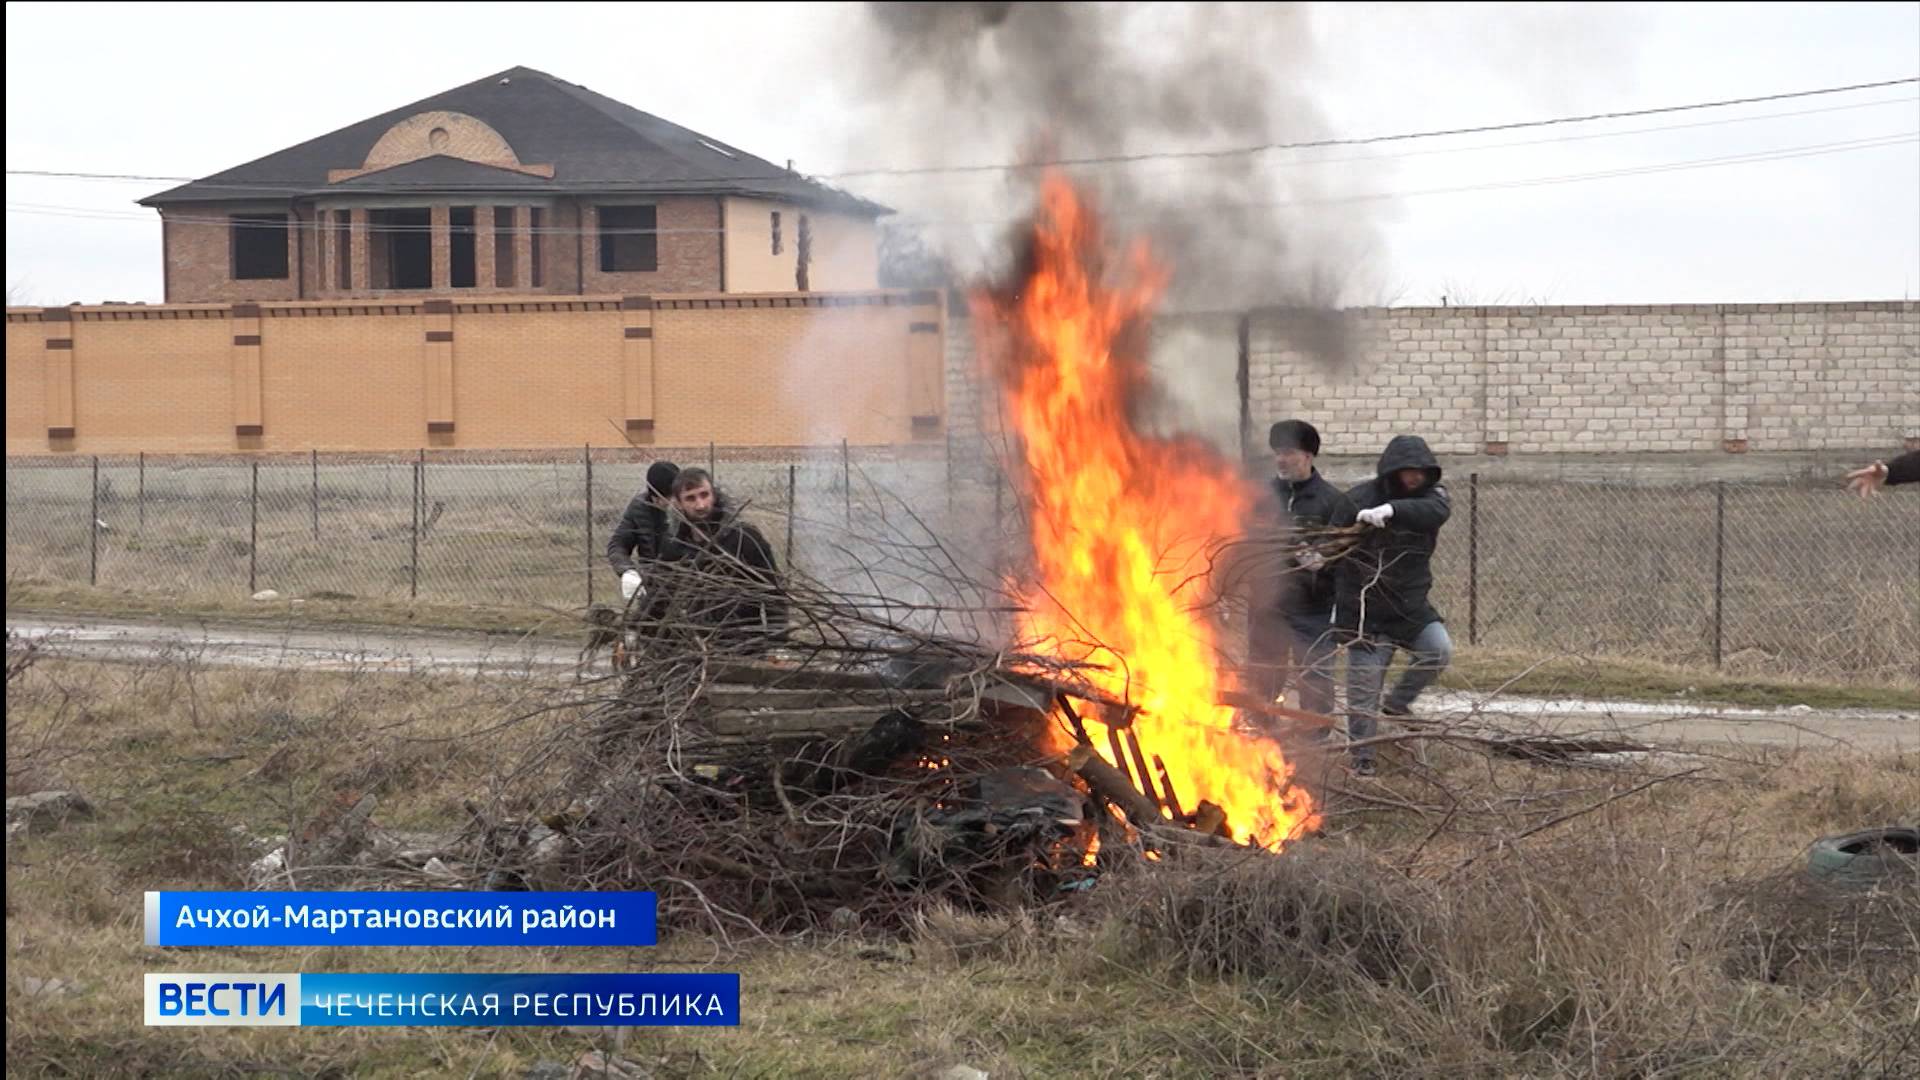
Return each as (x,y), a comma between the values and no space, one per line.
(1757,579)
(472,528)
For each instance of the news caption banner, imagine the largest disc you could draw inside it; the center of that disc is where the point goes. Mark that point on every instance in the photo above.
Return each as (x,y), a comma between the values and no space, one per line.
(400,918)
(228,919)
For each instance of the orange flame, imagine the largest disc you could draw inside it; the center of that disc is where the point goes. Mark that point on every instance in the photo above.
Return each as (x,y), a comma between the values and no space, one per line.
(1122,524)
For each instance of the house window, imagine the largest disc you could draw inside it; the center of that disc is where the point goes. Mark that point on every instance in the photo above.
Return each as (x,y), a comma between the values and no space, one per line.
(776,232)
(462,247)
(628,240)
(343,250)
(259,247)
(536,226)
(401,253)
(803,257)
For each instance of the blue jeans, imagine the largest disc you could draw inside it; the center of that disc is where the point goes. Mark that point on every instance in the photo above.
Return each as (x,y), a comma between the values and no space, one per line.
(1431,651)
(1283,649)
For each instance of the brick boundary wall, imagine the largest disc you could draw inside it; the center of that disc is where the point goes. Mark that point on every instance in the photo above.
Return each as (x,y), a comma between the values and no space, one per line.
(497,372)
(1517,381)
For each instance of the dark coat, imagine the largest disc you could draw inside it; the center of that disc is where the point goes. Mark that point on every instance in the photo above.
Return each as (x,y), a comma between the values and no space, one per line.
(1383,583)
(722,573)
(640,537)
(1300,508)
(1904,469)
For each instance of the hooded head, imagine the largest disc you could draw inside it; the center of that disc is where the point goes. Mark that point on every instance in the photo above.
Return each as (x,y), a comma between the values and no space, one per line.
(1407,465)
(660,478)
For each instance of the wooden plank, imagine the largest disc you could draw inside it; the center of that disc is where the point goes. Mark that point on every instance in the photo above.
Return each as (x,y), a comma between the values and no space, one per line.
(840,721)
(754,673)
(754,697)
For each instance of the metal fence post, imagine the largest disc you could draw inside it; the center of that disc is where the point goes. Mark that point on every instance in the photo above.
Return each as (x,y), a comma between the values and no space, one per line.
(93,527)
(846,481)
(413,566)
(1719,567)
(793,484)
(253,532)
(587,455)
(713,464)
(141,496)
(999,497)
(1473,558)
(316,494)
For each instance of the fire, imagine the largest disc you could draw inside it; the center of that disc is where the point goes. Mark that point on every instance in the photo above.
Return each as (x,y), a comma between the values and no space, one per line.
(1122,524)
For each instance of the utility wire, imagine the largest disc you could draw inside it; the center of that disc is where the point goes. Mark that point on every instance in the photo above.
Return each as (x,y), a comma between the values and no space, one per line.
(1104,159)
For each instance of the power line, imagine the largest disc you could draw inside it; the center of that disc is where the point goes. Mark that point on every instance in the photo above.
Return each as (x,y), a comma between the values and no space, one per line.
(1781,154)
(295,185)
(291,188)
(1777,154)
(1367,140)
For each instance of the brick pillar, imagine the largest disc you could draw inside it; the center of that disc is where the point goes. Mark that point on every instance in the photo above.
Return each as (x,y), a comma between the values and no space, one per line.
(328,238)
(483,247)
(57,324)
(636,321)
(442,249)
(248,421)
(437,322)
(362,274)
(926,356)
(523,249)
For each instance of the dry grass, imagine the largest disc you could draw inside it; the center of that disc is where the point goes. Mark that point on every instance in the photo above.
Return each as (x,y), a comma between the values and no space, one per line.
(1649,938)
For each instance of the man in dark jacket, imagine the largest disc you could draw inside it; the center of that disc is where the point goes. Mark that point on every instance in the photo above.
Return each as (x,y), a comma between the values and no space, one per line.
(641,537)
(1904,469)
(723,574)
(1290,625)
(1381,602)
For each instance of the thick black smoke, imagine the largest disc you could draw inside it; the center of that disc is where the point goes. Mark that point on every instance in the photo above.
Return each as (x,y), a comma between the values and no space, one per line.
(982,82)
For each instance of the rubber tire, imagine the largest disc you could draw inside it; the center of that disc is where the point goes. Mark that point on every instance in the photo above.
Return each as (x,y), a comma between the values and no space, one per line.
(1891,854)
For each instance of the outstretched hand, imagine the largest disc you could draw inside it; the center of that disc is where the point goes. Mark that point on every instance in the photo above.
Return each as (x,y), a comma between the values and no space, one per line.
(1867,482)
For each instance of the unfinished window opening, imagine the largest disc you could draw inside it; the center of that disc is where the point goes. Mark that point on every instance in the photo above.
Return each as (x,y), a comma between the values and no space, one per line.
(628,241)
(402,248)
(536,270)
(343,250)
(503,248)
(776,232)
(803,254)
(259,247)
(462,242)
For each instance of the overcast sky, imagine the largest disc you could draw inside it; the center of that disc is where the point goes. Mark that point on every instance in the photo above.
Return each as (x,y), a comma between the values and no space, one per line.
(169,90)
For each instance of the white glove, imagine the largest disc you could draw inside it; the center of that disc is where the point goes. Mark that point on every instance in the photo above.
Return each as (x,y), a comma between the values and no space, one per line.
(1311,560)
(629,585)
(1378,516)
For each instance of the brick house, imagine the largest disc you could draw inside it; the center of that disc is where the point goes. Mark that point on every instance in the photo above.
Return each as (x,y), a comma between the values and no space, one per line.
(518,183)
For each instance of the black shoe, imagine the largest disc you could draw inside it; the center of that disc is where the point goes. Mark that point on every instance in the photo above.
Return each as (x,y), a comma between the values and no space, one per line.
(1395,712)
(1365,767)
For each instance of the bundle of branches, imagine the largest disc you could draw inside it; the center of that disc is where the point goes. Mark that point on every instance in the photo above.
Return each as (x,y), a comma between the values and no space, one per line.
(780,754)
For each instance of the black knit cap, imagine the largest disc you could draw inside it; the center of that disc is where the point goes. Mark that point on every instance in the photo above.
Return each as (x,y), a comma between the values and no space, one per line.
(1294,435)
(661,475)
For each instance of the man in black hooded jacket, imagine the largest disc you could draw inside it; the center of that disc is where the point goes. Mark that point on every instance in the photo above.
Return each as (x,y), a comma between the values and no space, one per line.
(1381,594)
(642,536)
(1290,624)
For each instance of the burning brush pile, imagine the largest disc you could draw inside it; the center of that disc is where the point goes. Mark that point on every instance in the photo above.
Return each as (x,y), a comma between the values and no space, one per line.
(862,767)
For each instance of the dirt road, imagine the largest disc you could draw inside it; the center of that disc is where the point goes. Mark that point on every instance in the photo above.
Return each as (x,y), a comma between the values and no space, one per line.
(397,650)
